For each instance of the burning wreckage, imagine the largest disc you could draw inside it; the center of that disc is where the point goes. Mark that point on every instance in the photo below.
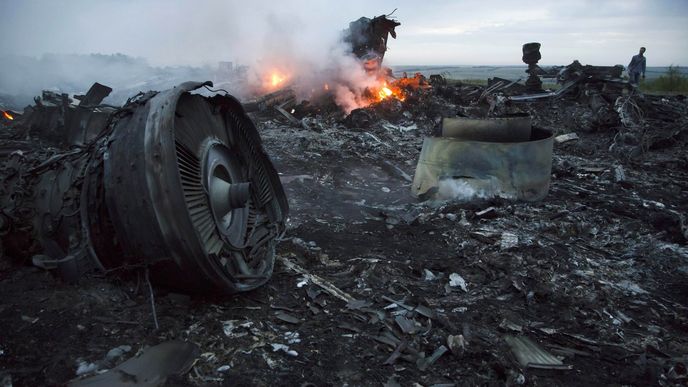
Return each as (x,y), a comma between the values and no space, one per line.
(549,248)
(171,181)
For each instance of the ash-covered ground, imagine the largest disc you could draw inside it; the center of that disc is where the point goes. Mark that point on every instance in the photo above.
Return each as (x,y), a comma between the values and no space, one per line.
(375,288)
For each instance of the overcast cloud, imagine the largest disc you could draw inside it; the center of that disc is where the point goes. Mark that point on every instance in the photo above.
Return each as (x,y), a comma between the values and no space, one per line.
(175,32)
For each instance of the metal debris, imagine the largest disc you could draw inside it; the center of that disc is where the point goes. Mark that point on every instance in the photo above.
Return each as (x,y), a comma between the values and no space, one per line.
(325,285)
(285,349)
(368,37)
(151,368)
(424,363)
(287,318)
(455,280)
(565,138)
(407,326)
(179,201)
(456,344)
(529,355)
(486,160)
(596,297)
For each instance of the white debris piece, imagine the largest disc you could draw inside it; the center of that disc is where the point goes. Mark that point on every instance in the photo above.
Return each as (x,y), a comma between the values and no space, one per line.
(464,222)
(285,349)
(508,241)
(456,280)
(408,128)
(428,275)
(303,281)
(619,174)
(456,344)
(229,327)
(84,367)
(117,352)
(292,337)
(566,138)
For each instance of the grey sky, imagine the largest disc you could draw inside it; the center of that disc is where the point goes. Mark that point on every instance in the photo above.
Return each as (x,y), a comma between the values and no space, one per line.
(175,32)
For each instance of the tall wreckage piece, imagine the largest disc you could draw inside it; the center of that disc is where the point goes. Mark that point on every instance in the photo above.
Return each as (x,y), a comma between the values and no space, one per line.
(172,181)
(368,39)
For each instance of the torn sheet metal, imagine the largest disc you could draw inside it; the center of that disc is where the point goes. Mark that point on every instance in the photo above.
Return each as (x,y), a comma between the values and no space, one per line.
(151,368)
(369,36)
(471,167)
(530,355)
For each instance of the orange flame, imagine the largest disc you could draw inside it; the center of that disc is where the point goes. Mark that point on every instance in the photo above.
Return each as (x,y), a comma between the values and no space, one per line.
(273,80)
(7,115)
(276,79)
(386,91)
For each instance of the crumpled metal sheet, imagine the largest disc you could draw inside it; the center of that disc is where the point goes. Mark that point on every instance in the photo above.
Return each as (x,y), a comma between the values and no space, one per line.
(529,354)
(485,161)
(151,368)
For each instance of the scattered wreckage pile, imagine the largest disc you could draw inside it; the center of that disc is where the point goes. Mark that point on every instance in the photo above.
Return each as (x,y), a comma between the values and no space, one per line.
(584,285)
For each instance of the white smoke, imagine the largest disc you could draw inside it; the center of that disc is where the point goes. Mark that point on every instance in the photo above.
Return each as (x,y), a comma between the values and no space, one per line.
(311,67)
(352,84)
(300,39)
(467,189)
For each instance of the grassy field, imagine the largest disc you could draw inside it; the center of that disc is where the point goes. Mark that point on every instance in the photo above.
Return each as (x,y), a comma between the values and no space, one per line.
(671,81)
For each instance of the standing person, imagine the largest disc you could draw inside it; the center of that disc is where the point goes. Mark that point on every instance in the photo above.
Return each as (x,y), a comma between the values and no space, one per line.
(637,66)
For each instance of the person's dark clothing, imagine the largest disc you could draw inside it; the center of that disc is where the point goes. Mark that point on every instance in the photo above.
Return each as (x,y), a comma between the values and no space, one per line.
(636,67)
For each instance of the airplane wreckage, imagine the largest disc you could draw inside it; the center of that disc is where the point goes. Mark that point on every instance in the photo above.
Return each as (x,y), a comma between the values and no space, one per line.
(173,181)
(438,233)
(179,184)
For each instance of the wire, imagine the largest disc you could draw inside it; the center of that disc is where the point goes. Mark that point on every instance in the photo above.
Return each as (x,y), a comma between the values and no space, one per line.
(152,300)
(216,91)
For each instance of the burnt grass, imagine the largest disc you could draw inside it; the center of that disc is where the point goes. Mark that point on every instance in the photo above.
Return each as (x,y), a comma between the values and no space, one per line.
(596,273)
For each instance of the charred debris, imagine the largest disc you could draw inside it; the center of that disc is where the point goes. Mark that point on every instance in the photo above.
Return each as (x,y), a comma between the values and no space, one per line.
(175,182)
(545,245)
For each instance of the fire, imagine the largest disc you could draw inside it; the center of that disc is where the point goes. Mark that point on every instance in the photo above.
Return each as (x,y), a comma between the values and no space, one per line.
(7,115)
(273,80)
(397,88)
(277,79)
(387,91)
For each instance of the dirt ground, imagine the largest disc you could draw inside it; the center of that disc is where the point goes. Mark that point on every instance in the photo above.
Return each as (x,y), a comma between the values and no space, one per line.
(596,274)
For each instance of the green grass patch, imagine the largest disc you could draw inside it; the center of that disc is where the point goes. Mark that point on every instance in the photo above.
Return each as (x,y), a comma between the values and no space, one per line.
(477,82)
(671,81)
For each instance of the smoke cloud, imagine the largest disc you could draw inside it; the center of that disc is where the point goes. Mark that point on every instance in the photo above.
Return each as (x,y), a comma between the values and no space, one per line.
(467,189)
(65,46)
